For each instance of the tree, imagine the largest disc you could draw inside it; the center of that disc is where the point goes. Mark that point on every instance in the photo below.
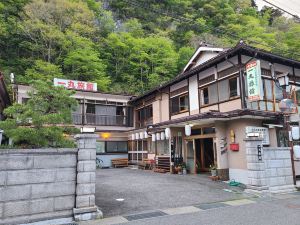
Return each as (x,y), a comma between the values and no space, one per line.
(43,120)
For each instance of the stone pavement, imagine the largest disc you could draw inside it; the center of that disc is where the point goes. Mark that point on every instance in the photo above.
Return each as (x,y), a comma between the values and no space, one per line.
(279,209)
(125,191)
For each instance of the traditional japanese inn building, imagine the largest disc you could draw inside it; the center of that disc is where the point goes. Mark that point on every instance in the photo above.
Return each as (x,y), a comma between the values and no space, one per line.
(200,118)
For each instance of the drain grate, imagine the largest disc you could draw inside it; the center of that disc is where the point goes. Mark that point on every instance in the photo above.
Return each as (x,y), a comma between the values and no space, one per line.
(145,215)
(206,206)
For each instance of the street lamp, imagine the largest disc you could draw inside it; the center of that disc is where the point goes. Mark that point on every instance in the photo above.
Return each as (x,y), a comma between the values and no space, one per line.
(283,79)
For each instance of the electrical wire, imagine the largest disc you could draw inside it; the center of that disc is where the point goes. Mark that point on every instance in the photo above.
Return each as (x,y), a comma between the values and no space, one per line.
(283,10)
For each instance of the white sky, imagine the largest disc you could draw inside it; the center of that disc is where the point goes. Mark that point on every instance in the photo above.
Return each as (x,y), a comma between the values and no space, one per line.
(292,6)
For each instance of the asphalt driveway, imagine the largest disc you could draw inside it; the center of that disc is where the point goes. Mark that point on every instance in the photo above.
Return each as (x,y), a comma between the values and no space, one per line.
(127,191)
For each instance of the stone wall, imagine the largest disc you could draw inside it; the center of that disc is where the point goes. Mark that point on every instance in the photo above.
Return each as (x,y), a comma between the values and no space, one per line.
(37,184)
(269,171)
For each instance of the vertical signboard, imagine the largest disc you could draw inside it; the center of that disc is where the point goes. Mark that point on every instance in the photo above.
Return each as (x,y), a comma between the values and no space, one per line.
(254,82)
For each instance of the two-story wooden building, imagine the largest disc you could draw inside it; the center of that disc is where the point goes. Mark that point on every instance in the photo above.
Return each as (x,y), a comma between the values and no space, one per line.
(209,101)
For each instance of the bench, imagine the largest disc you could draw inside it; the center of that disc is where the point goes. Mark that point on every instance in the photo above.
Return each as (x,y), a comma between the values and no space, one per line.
(121,162)
(146,164)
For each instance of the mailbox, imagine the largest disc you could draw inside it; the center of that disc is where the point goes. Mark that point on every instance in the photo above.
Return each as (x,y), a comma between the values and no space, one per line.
(234,147)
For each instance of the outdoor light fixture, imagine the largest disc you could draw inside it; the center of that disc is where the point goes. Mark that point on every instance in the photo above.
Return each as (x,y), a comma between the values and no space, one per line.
(158,136)
(141,135)
(188,130)
(145,135)
(12,78)
(137,136)
(132,137)
(162,136)
(87,129)
(153,137)
(105,135)
(283,79)
(167,132)
(295,133)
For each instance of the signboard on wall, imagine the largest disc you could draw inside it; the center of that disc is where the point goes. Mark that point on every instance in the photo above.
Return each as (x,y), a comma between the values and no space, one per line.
(262,131)
(254,82)
(75,84)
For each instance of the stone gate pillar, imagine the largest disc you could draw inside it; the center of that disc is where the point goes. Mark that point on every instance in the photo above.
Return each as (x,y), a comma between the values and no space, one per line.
(85,208)
(256,165)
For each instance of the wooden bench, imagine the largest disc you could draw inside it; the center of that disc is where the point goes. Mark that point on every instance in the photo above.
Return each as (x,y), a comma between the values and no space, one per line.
(121,162)
(146,164)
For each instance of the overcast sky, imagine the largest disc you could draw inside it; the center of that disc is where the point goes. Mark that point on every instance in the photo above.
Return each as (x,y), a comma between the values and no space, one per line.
(292,6)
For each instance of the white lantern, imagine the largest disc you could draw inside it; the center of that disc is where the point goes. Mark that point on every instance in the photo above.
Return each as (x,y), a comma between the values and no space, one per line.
(158,136)
(295,133)
(141,135)
(153,137)
(146,134)
(188,130)
(137,136)
(167,133)
(1,132)
(162,136)
(132,137)
(296,151)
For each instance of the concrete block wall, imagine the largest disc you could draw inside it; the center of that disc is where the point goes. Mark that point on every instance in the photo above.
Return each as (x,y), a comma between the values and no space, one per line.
(37,184)
(278,168)
(270,173)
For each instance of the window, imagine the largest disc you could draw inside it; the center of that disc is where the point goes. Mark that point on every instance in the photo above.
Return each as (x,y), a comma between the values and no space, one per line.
(116,147)
(111,147)
(100,147)
(233,88)
(204,94)
(144,116)
(180,104)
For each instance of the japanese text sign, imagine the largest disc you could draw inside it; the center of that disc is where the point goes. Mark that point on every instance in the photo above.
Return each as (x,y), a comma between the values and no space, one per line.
(254,81)
(76,85)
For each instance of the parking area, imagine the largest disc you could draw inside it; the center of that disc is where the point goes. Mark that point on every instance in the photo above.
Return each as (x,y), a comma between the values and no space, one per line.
(127,191)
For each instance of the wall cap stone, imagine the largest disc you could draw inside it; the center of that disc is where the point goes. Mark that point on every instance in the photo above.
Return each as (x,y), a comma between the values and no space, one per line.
(253,139)
(40,151)
(86,136)
(278,148)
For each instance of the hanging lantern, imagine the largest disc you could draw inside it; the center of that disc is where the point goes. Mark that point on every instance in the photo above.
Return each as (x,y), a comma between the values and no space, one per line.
(295,133)
(296,151)
(188,130)
(158,136)
(167,133)
(162,136)
(141,135)
(137,136)
(132,137)
(153,137)
(145,135)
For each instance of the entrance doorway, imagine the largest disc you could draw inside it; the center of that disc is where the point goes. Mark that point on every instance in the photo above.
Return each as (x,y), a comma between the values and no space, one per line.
(200,154)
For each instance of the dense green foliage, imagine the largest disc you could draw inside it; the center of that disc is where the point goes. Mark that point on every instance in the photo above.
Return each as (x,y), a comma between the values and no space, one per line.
(43,120)
(128,45)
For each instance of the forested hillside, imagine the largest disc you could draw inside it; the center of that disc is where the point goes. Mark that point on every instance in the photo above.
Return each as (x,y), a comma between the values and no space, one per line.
(129,46)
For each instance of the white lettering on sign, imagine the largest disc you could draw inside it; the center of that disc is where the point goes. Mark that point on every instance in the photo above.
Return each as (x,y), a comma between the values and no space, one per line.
(75,84)
(263,133)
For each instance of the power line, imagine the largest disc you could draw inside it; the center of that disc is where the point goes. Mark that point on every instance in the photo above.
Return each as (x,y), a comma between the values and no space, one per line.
(291,14)
(215,29)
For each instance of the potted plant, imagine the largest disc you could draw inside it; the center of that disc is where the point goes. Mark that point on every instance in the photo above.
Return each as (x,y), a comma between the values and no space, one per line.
(213,170)
(184,172)
(179,169)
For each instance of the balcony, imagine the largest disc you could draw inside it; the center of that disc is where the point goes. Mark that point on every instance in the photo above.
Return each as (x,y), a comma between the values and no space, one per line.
(100,120)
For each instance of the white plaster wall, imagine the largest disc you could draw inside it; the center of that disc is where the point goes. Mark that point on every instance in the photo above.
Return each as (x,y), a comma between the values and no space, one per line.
(224,65)
(204,57)
(179,85)
(206,73)
(193,93)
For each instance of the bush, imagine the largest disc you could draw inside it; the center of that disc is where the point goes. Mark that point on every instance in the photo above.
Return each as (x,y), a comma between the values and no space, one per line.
(44,120)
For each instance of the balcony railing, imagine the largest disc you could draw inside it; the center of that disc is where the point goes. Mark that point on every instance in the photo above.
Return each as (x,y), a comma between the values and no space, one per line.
(99,120)
(144,123)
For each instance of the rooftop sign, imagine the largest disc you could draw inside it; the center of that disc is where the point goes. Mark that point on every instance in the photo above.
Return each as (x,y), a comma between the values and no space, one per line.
(254,82)
(75,85)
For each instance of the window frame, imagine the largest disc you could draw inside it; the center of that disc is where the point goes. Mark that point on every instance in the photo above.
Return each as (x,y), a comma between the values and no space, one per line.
(237,86)
(110,152)
(186,95)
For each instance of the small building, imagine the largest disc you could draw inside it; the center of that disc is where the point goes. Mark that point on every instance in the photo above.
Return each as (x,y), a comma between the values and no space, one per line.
(109,114)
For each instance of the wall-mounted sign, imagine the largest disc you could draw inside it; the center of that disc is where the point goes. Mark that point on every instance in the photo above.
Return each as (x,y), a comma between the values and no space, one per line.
(75,84)
(254,82)
(263,133)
